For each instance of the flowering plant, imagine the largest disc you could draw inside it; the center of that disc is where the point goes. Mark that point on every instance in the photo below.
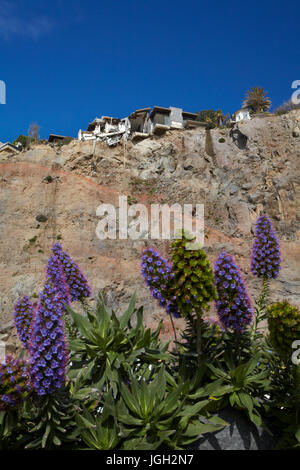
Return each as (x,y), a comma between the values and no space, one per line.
(23,315)
(265,259)
(14,383)
(48,351)
(158,275)
(233,304)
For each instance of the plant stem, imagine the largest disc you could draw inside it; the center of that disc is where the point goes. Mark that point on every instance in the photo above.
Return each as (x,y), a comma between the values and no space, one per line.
(174,331)
(199,336)
(237,340)
(260,306)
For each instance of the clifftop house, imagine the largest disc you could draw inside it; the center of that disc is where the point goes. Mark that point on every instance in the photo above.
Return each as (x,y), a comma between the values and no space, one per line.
(241,114)
(9,149)
(138,125)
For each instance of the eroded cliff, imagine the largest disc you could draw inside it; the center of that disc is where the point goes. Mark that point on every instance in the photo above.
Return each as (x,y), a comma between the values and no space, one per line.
(51,193)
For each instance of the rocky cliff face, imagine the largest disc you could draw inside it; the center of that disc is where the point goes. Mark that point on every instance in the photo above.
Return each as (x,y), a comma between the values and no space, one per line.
(52,192)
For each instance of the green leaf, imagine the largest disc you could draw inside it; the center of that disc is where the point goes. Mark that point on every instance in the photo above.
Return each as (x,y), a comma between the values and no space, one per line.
(193,410)
(82,323)
(76,345)
(171,401)
(246,401)
(129,419)
(140,444)
(46,434)
(218,421)
(56,441)
(297,434)
(251,365)
(83,393)
(195,429)
(145,341)
(139,322)
(103,321)
(129,400)
(129,312)
(85,421)
(255,418)
(159,384)
(92,350)
(233,399)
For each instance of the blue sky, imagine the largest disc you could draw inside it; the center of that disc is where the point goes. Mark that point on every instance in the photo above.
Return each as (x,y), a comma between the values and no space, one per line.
(66,62)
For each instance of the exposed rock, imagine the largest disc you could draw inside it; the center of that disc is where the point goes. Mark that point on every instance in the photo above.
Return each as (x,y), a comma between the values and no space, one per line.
(241,434)
(256,170)
(233,189)
(239,214)
(239,138)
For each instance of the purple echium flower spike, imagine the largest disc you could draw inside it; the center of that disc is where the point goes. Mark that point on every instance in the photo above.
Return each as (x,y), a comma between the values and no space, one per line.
(23,315)
(48,350)
(233,303)
(54,272)
(14,383)
(265,259)
(158,275)
(75,279)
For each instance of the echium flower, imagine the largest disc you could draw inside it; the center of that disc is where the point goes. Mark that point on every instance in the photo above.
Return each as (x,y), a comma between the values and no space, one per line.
(74,278)
(193,276)
(158,275)
(54,272)
(23,315)
(14,383)
(233,303)
(284,327)
(265,259)
(48,352)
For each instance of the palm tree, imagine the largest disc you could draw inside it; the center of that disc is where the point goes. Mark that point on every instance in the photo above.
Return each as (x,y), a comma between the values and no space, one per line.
(257,100)
(219,116)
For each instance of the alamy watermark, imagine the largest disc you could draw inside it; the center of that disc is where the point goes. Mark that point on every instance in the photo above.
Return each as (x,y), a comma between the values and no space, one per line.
(296,354)
(159,222)
(295,98)
(2,92)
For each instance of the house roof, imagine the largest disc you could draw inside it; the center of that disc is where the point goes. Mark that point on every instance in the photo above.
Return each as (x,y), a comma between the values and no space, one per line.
(53,137)
(186,113)
(244,110)
(139,111)
(10,146)
(159,109)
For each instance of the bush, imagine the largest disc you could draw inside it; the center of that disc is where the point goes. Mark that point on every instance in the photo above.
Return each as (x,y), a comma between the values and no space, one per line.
(286,107)
(41,218)
(107,349)
(284,327)
(24,140)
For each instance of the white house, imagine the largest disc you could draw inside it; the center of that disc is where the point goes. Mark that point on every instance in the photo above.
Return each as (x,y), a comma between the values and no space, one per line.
(105,128)
(241,114)
(9,149)
(138,125)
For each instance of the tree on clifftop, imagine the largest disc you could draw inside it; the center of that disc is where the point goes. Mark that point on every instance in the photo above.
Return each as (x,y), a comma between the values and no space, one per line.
(211,116)
(34,131)
(256,99)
